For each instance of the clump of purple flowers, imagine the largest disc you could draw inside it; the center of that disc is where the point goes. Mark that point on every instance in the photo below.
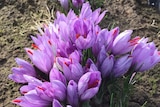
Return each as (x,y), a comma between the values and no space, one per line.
(73,55)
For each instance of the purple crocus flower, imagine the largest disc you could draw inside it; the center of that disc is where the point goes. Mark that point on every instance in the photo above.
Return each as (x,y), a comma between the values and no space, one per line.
(90,66)
(97,17)
(64,48)
(88,85)
(64,4)
(71,16)
(72,93)
(77,3)
(145,55)
(57,75)
(104,38)
(50,90)
(107,66)
(44,90)
(101,40)
(64,31)
(76,56)
(43,95)
(111,37)
(32,84)
(72,70)
(60,61)
(83,34)
(31,99)
(60,89)
(122,43)
(24,68)
(87,14)
(44,44)
(105,62)
(122,65)
(101,56)
(40,59)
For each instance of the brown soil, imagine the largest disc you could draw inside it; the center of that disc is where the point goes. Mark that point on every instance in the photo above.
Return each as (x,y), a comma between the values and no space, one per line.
(17,23)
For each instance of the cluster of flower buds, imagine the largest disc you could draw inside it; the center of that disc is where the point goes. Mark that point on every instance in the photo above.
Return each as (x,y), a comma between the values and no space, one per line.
(75,3)
(62,74)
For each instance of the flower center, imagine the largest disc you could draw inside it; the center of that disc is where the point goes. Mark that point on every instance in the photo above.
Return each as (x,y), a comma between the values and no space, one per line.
(77,36)
(93,84)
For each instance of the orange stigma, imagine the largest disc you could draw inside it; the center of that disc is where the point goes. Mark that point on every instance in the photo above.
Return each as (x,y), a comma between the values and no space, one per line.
(41,88)
(94,84)
(115,31)
(77,36)
(16,101)
(30,52)
(66,63)
(134,41)
(34,46)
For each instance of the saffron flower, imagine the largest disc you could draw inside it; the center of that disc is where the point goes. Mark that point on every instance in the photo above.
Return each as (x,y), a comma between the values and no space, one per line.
(37,92)
(145,55)
(55,74)
(122,65)
(105,38)
(83,34)
(90,66)
(72,93)
(40,59)
(123,44)
(24,68)
(105,62)
(50,90)
(64,4)
(77,3)
(31,99)
(32,84)
(71,70)
(89,84)
(87,13)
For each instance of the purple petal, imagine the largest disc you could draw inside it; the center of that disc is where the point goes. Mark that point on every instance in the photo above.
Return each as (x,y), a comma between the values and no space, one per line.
(89,83)
(72,93)
(64,4)
(122,65)
(56,103)
(57,75)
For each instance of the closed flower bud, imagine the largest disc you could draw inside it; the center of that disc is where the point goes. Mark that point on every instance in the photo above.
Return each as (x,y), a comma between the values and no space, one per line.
(72,93)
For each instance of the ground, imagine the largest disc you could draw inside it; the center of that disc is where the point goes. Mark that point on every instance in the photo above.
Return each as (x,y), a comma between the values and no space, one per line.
(18,19)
